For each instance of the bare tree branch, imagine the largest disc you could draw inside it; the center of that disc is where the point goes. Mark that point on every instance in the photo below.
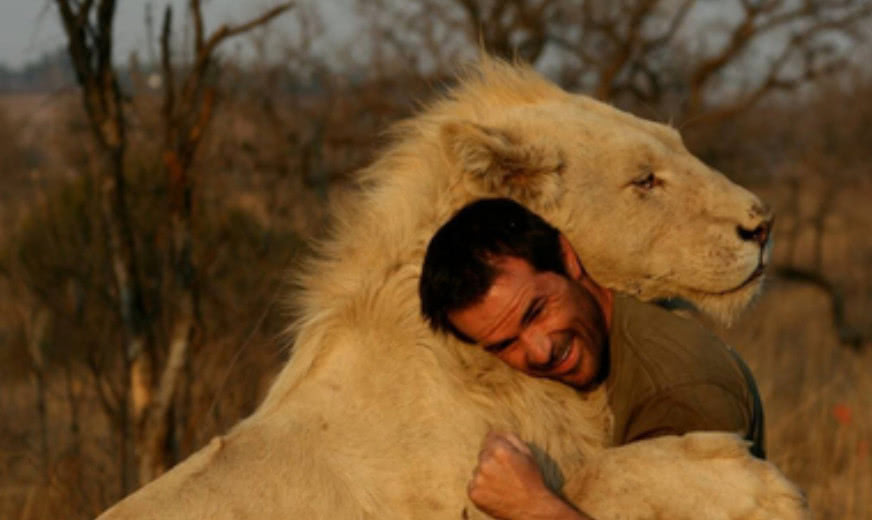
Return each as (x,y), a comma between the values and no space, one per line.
(89,40)
(801,42)
(629,41)
(205,49)
(674,24)
(186,115)
(197,17)
(507,28)
(168,72)
(229,31)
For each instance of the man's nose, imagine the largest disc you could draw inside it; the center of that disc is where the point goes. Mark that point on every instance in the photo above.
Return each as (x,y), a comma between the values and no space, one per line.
(538,348)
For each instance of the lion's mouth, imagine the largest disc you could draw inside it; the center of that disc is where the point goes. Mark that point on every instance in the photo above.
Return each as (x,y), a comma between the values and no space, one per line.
(762,262)
(752,278)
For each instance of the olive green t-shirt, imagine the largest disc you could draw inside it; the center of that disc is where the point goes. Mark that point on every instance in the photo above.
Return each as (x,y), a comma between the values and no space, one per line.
(669,375)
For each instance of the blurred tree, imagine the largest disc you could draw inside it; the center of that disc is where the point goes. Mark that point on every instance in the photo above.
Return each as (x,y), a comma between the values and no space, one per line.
(89,42)
(187,109)
(697,59)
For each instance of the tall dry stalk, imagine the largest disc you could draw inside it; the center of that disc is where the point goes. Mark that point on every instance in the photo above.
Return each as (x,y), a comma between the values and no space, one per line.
(89,30)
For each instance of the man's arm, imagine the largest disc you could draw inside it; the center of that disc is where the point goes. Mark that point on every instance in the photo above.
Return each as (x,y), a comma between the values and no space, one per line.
(699,407)
(507,484)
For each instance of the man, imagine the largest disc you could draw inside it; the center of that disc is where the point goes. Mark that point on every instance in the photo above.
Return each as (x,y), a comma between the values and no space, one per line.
(499,276)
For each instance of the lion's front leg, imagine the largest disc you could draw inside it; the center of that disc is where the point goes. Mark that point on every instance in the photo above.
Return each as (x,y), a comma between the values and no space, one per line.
(702,475)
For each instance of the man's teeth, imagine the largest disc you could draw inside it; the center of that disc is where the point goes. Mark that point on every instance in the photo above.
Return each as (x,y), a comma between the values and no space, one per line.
(563,353)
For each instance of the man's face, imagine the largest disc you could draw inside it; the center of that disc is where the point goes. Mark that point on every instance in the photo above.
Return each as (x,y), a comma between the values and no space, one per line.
(541,323)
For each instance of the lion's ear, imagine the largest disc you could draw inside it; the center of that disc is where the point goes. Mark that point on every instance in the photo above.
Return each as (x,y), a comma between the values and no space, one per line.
(500,162)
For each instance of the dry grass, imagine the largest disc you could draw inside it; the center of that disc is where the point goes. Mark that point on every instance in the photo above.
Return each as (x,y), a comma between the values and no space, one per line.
(817,395)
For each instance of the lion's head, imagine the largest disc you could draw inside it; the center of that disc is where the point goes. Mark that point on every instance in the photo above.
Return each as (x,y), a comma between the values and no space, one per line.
(646,216)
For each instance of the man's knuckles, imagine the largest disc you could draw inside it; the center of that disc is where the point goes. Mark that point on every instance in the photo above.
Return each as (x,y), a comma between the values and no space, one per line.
(497,457)
(480,492)
(491,438)
(490,468)
(503,448)
(489,456)
(476,483)
(518,444)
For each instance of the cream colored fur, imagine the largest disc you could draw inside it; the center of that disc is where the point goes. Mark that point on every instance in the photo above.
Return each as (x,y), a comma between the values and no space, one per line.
(374,416)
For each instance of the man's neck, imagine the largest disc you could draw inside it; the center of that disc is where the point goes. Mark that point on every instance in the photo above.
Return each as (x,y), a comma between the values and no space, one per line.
(604,296)
(606,299)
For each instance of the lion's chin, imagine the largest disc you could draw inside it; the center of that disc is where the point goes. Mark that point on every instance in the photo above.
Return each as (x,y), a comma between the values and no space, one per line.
(754,279)
(722,305)
(725,306)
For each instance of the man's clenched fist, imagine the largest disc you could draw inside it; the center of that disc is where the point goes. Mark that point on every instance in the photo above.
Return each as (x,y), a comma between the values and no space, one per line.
(507,483)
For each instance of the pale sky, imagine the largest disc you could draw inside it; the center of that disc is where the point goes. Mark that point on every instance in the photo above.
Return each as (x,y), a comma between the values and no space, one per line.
(28,28)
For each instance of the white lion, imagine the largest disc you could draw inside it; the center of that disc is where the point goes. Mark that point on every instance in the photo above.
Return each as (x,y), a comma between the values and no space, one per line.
(374,416)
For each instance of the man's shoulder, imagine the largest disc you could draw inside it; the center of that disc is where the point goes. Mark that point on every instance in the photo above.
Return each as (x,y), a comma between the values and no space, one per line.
(671,374)
(643,321)
(670,348)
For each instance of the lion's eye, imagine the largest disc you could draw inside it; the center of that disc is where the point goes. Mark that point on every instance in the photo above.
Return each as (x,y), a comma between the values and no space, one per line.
(647,181)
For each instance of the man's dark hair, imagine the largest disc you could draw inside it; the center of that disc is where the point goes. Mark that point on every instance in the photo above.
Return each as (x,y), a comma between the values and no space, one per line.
(458,266)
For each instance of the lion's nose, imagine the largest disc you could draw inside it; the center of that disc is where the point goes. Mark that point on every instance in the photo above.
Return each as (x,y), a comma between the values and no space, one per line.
(759,234)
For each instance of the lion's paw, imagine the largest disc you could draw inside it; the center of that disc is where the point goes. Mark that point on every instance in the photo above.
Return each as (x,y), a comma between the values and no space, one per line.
(699,475)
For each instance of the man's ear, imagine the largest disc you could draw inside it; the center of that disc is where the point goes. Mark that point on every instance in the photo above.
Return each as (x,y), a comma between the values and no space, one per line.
(570,259)
(500,162)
